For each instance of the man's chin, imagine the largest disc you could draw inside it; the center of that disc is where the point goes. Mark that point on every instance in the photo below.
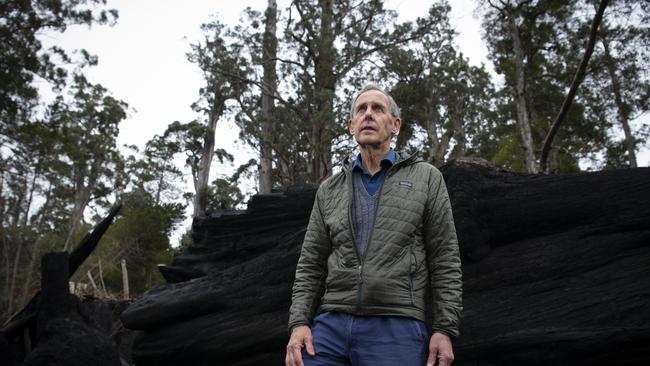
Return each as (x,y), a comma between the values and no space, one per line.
(372,143)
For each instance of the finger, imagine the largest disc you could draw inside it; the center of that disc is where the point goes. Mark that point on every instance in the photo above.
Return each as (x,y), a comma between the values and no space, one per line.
(297,356)
(433,356)
(309,345)
(288,360)
(444,361)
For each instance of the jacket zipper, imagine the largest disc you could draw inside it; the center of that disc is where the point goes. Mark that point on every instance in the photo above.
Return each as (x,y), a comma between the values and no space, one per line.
(354,243)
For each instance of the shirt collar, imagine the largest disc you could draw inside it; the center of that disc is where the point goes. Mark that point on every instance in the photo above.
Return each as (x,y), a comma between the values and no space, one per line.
(388,161)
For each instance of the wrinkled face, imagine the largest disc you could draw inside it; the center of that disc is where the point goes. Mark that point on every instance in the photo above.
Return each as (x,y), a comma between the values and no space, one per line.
(372,124)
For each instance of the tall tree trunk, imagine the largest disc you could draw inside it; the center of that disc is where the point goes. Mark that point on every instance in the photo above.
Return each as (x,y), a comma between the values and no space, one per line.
(456,116)
(623,111)
(81,199)
(520,91)
(324,93)
(205,161)
(270,80)
(438,146)
(431,128)
(14,273)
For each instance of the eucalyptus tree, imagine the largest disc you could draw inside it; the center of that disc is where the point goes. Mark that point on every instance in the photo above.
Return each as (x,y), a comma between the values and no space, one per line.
(539,67)
(619,77)
(269,90)
(225,71)
(327,43)
(441,95)
(88,125)
(22,57)
(533,45)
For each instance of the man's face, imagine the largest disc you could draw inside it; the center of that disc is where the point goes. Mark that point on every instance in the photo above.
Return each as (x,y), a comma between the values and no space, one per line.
(371,123)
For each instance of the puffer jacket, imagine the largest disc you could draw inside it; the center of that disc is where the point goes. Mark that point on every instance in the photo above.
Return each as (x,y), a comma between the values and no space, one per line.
(413,242)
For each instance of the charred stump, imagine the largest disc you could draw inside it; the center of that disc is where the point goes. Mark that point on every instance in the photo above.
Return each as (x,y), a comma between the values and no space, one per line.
(56,327)
(66,335)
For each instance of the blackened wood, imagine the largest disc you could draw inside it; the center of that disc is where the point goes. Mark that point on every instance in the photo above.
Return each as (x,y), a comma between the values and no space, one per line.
(54,301)
(76,258)
(90,241)
(555,272)
(53,311)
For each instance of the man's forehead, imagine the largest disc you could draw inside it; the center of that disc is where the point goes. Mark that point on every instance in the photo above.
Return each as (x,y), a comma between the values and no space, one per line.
(371,95)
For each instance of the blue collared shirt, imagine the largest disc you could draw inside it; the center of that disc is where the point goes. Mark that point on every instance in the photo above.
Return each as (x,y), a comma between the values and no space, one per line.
(372,183)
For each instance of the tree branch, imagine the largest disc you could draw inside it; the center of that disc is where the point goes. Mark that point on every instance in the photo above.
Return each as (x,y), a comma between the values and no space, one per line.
(577,80)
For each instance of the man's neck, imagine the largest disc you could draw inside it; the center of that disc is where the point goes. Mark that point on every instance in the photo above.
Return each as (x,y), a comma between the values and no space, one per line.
(372,156)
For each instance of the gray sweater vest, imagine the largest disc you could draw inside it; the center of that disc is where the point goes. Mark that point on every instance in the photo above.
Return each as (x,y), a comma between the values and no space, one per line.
(364,208)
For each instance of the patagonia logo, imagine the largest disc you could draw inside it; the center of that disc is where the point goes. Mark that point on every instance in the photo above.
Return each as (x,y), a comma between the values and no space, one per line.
(405,183)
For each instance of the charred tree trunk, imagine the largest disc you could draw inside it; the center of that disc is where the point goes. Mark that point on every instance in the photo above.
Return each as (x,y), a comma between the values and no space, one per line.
(555,272)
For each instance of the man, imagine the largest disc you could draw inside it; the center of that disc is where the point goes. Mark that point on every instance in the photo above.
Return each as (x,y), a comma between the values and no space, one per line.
(379,231)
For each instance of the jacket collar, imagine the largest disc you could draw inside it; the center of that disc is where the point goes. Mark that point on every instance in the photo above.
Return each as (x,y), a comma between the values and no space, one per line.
(403,158)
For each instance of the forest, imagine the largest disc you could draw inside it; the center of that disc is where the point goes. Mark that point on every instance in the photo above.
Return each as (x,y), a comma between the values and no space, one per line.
(286,76)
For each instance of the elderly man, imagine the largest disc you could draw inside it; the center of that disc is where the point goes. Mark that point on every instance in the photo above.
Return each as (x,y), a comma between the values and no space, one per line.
(379,231)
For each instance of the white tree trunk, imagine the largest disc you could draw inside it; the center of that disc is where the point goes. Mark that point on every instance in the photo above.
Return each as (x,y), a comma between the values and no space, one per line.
(269,51)
(520,91)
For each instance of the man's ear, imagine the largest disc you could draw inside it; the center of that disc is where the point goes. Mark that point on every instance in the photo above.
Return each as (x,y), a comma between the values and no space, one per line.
(350,126)
(397,123)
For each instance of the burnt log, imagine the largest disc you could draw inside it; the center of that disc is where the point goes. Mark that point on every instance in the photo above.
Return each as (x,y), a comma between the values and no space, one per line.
(555,272)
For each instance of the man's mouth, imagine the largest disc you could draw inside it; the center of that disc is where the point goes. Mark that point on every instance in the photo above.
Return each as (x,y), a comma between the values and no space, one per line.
(367,128)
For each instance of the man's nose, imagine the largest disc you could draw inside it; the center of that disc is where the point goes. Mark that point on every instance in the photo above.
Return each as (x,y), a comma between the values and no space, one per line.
(368,112)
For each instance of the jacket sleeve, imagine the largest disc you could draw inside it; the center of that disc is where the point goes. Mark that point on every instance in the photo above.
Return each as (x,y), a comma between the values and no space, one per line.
(311,271)
(443,258)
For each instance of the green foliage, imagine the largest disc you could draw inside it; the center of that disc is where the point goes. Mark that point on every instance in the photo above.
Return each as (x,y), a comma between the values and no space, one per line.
(553,35)
(22,56)
(441,96)
(140,235)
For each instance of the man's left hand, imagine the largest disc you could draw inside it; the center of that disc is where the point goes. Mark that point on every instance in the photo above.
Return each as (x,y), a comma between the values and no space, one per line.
(440,351)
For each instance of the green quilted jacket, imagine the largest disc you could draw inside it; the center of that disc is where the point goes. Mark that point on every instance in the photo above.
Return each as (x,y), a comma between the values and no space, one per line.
(413,242)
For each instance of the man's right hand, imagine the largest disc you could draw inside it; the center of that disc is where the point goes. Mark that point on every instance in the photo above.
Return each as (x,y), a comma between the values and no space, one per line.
(300,337)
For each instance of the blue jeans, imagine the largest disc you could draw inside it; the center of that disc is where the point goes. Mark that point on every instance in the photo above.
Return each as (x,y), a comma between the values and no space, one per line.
(344,339)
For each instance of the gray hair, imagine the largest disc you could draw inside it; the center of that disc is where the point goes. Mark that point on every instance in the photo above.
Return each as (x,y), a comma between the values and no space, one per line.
(392,106)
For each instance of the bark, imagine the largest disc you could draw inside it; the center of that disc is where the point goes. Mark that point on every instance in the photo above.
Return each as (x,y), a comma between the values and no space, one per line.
(81,200)
(270,80)
(459,132)
(205,161)
(523,115)
(577,80)
(21,242)
(622,110)
(438,146)
(324,93)
(27,284)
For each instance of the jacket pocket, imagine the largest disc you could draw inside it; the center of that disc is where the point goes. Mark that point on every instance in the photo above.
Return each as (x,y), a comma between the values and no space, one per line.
(413,265)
